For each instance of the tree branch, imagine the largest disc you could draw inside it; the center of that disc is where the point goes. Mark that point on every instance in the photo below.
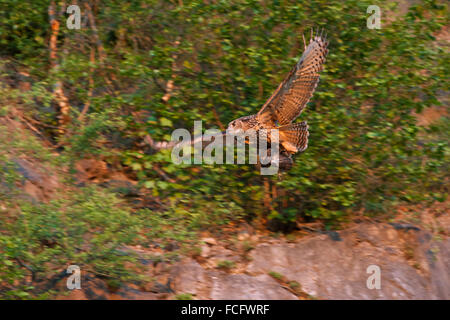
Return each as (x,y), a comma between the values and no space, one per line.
(58,91)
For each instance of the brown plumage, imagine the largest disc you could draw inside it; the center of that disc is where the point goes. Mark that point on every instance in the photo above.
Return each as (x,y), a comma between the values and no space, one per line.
(289,100)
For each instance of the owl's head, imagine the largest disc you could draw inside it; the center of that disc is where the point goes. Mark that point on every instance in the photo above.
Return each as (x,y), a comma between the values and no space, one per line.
(235,124)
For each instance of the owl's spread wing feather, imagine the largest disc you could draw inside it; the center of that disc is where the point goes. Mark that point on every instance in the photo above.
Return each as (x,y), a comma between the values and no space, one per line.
(294,137)
(292,95)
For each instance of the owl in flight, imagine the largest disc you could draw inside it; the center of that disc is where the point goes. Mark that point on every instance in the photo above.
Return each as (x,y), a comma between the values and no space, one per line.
(288,101)
(282,108)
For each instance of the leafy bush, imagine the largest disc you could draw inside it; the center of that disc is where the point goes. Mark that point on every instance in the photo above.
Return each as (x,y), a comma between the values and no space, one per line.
(225,58)
(41,240)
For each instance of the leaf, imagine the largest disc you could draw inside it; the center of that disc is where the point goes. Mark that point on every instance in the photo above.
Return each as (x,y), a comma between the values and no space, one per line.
(165,122)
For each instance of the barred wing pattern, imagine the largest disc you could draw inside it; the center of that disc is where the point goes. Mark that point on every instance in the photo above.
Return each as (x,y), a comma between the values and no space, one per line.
(292,95)
(294,136)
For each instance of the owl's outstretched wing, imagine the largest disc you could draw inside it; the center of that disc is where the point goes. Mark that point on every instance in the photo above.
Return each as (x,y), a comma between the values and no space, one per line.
(292,95)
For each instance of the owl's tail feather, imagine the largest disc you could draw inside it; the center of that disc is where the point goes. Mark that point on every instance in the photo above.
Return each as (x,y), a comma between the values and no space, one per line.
(294,136)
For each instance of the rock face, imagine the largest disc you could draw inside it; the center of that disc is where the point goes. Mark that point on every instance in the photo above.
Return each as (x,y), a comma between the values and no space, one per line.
(411,265)
(191,277)
(242,287)
(37,182)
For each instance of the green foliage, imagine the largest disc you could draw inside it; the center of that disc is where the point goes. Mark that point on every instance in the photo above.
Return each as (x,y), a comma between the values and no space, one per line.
(366,151)
(184,296)
(225,264)
(276,275)
(230,56)
(226,58)
(88,229)
(294,285)
(23,27)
